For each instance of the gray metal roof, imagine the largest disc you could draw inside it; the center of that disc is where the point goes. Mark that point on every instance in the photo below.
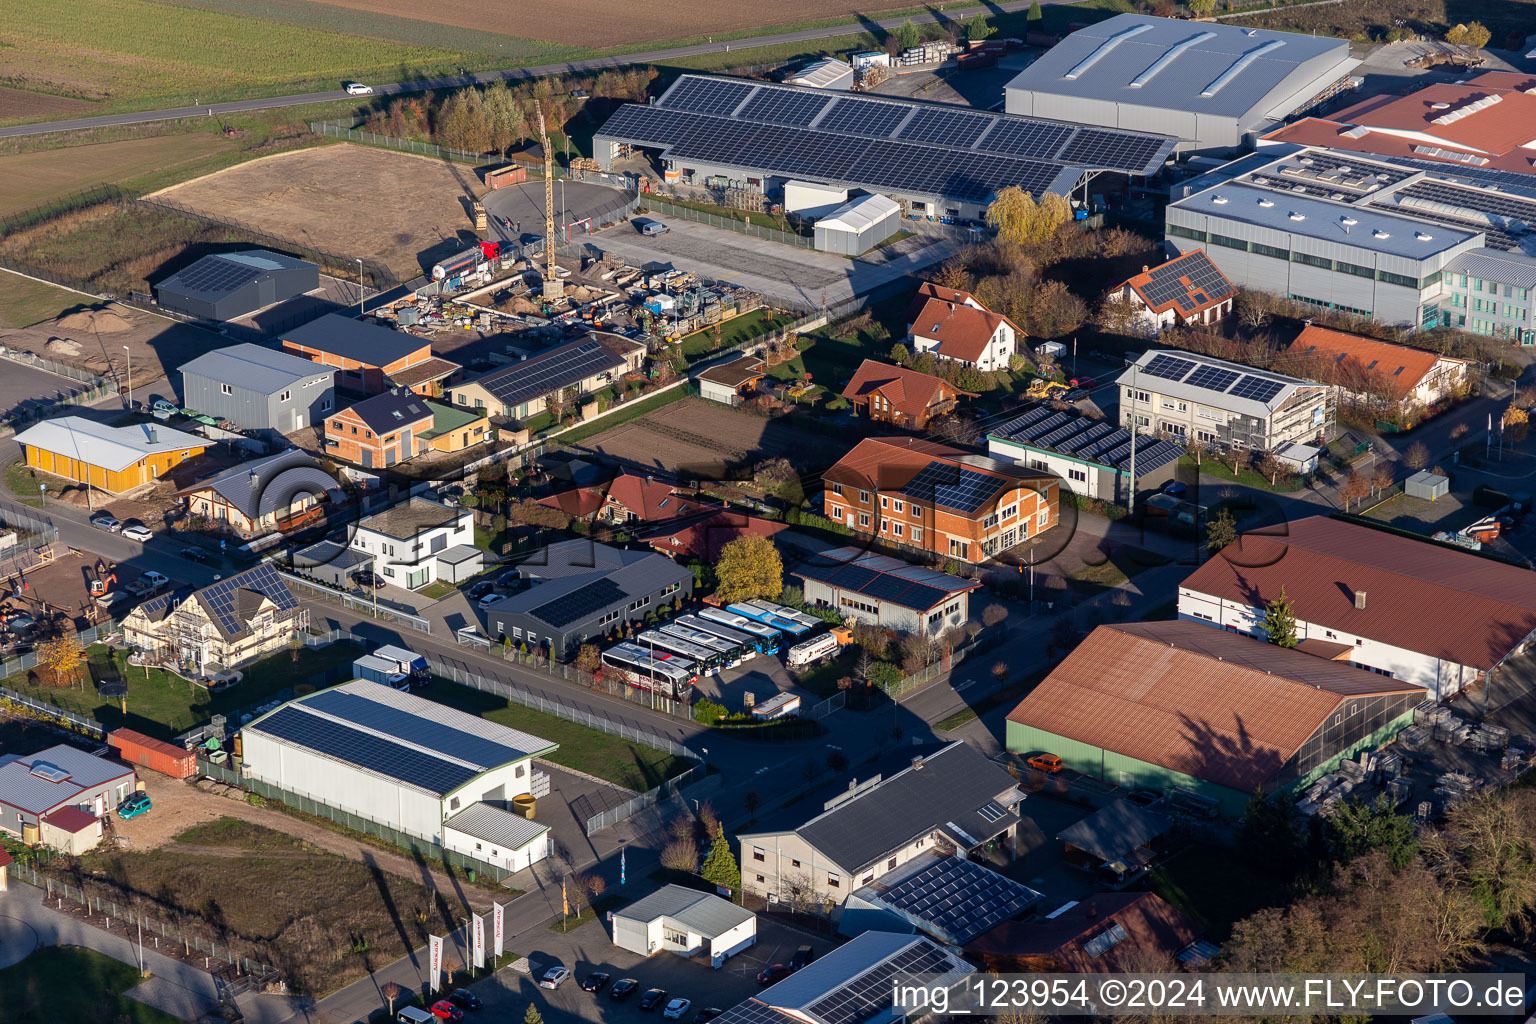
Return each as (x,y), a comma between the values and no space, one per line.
(1508,268)
(220,274)
(494,825)
(255,368)
(1115,830)
(950,898)
(265,485)
(22,789)
(1202,68)
(886,579)
(956,791)
(584,579)
(366,341)
(1322,219)
(701,912)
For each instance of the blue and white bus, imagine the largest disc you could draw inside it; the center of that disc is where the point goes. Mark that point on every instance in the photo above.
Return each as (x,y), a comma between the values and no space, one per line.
(730,652)
(666,674)
(761,611)
(657,642)
(810,622)
(752,643)
(767,634)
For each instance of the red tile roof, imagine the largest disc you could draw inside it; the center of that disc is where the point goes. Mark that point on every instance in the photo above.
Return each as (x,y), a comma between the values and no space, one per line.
(580,501)
(703,538)
(1398,366)
(963,332)
(928,290)
(909,391)
(649,498)
(70,819)
(1439,601)
(1057,944)
(889,463)
(1192,298)
(1195,699)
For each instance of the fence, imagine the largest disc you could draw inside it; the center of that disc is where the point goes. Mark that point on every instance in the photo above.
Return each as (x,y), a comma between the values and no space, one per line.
(629,808)
(36,408)
(29,660)
(984,642)
(74,721)
(38,527)
(656,204)
(351,132)
(836,702)
(306,804)
(153,926)
(359,604)
(62,205)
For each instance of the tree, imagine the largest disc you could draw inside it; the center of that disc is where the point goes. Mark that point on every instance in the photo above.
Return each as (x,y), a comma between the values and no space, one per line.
(751,802)
(1271,837)
(589,659)
(981,28)
(907,35)
(720,866)
(1117,315)
(918,650)
(1473,35)
(681,855)
(1416,457)
(532,1015)
(1353,488)
(1516,422)
(1280,622)
(993,615)
(837,762)
(1220,530)
(1021,220)
(1252,309)
(1383,473)
(1357,827)
(61,659)
(900,354)
(1054,311)
(1202,8)
(505,121)
(1034,18)
(1271,466)
(392,991)
(749,567)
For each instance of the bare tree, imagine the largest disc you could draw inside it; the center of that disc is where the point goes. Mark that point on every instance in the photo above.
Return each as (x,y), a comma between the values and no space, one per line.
(681,855)
(1417,456)
(1270,465)
(391,992)
(994,615)
(1354,488)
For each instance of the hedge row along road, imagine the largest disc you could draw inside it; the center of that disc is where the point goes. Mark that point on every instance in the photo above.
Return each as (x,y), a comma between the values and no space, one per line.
(512,74)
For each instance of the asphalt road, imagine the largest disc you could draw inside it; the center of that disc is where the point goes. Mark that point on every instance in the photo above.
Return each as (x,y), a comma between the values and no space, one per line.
(511,74)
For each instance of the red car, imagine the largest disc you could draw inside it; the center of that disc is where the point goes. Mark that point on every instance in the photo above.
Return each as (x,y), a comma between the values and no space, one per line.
(444,1010)
(776,973)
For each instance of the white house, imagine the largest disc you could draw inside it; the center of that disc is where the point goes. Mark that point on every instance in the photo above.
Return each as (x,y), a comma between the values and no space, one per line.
(1187,291)
(687,922)
(1425,613)
(963,332)
(420,541)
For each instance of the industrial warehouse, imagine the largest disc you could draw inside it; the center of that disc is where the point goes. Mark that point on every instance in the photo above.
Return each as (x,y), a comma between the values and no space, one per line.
(936,161)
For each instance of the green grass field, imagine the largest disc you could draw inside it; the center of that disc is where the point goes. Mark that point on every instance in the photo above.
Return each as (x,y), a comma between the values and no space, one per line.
(736,331)
(70,983)
(24,301)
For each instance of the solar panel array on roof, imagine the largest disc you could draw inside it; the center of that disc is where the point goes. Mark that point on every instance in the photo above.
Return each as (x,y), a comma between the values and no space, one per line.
(373,753)
(1105,941)
(870,993)
(1213,377)
(537,377)
(1168,367)
(1100,148)
(1259,389)
(945,127)
(1165,283)
(707,95)
(1093,440)
(217,274)
(406,726)
(750,1011)
(580,603)
(864,117)
(778,106)
(964,490)
(960,898)
(220,598)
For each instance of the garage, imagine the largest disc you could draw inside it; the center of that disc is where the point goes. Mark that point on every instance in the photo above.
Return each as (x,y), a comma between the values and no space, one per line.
(687,922)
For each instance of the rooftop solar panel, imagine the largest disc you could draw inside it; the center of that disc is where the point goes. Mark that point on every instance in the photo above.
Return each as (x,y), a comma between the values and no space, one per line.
(1168,367)
(580,603)
(558,369)
(215,274)
(946,127)
(872,992)
(403,725)
(864,117)
(1212,378)
(1041,139)
(962,899)
(353,746)
(785,106)
(1097,148)
(706,95)
(220,597)
(962,489)
(1259,389)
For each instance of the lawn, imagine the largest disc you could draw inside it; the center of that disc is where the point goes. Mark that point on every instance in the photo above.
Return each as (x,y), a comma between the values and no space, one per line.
(162,704)
(734,332)
(631,411)
(1215,887)
(24,301)
(1121,564)
(70,983)
(323,920)
(437,591)
(23,482)
(1214,467)
(629,764)
(31,179)
(1008,695)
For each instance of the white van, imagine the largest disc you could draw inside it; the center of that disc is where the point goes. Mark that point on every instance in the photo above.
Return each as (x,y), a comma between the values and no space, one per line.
(414,1015)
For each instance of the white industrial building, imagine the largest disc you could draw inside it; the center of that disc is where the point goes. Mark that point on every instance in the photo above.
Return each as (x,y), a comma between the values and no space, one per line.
(394,758)
(1215,87)
(509,841)
(859,225)
(864,586)
(827,73)
(687,922)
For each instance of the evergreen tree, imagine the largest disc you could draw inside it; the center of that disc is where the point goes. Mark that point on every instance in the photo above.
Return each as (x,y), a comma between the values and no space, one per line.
(1035,17)
(1280,622)
(720,865)
(1357,827)
(907,35)
(1220,531)
(533,1016)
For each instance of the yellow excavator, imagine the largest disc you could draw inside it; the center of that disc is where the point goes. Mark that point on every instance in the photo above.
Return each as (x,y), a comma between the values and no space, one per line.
(1042,388)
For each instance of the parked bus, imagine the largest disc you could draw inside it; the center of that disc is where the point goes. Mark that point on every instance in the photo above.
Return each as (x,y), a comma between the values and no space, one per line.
(666,674)
(730,652)
(750,643)
(654,641)
(810,622)
(767,616)
(768,636)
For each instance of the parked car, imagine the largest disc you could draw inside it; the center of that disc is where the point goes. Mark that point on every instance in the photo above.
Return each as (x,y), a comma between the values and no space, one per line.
(554,977)
(1048,763)
(142,534)
(359,89)
(465,999)
(480,589)
(773,974)
(17,622)
(194,554)
(163,410)
(803,956)
(652,998)
(1176,489)
(646,226)
(676,1008)
(104,521)
(707,1014)
(595,981)
(135,805)
(491,599)
(623,989)
(368,578)
(444,1010)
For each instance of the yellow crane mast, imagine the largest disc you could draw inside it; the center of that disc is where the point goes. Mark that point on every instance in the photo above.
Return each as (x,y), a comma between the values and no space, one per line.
(553,289)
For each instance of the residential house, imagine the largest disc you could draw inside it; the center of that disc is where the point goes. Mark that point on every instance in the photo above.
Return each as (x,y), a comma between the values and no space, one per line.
(236,620)
(733,382)
(522,389)
(56,797)
(864,586)
(929,290)
(628,499)
(418,542)
(1187,290)
(579,590)
(370,358)
(894,394)
(1378,372)
(938,499)
(684,921)
(255,498)
(964,333)
(954,799)
(258,389)
(398,426)
(1165,705)
(111,459)
(1437,617)
(1188,397)
(699,537)
(1105,932)
(1091,456)
(950,899)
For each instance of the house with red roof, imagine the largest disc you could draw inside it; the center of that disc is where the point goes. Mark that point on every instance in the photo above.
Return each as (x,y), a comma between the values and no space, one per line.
(1112,931)
(894,394)
(1377,371)
(628,498)
(957,328)
(700,538)
(1186,291)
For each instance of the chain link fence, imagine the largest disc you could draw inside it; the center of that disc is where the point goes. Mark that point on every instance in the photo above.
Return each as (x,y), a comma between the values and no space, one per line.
(359,604)
(985,642)
(629,808)
(655,204)
(351,131)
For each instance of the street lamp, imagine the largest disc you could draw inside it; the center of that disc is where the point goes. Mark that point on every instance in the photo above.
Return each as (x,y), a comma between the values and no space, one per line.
(130,376)
(359,286)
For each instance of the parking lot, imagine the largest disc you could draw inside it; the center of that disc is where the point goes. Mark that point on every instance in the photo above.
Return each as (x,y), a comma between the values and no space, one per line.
(588,948)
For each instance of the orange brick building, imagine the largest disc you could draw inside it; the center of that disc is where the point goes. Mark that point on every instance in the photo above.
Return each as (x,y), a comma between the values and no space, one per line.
(938,499)
(372,358)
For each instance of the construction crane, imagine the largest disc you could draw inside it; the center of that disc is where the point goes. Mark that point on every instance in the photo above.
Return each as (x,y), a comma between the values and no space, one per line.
(553,289)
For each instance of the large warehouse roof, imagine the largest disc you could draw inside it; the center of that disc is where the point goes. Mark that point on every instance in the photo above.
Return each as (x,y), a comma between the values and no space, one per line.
(1087,440)
(253,367)
(213,277)
(875,143)
(1203,68)
(394,735)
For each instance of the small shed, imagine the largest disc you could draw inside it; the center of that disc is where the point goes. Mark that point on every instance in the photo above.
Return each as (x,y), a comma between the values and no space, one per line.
(827,73)
(1427,485)
(459,563)
(687,922)
(71,830)
(728,383)
(1301,458)
(1116,840)
(858,226)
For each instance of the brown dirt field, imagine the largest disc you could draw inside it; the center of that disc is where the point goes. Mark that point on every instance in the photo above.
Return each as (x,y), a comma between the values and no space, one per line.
(20,103)
(92,338)
(620,22)
(696,439)
(404,211)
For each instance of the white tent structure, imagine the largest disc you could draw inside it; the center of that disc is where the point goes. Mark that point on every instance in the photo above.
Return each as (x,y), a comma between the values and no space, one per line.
(858,226)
